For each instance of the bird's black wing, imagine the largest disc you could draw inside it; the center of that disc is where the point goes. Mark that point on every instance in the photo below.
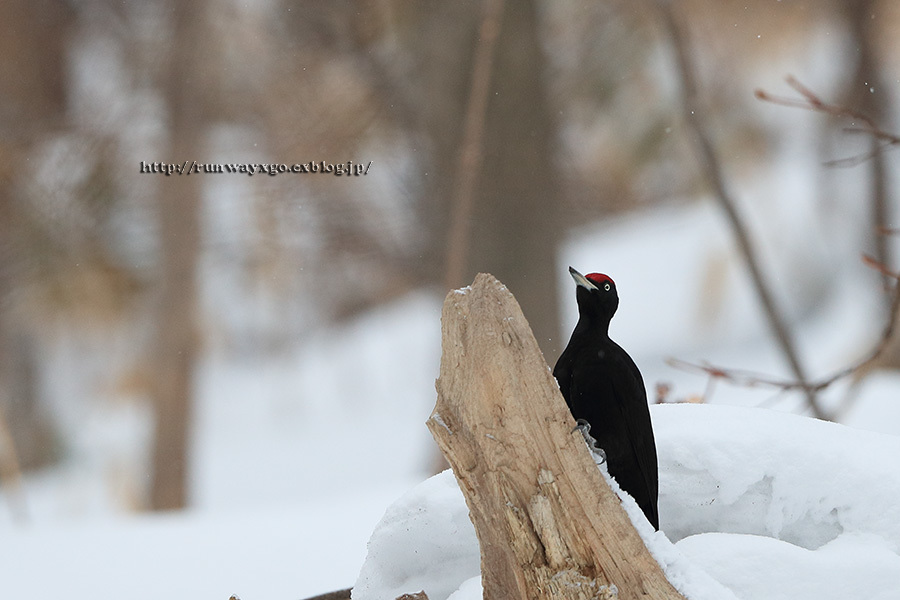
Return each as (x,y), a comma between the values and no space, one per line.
(640,430)
(611,396)
(563,374)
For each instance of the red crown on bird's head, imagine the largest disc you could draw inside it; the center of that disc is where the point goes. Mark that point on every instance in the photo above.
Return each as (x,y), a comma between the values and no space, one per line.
(599,278)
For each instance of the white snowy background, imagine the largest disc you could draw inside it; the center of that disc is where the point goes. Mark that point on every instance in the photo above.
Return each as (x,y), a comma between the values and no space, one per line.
(287,493)
(297,456)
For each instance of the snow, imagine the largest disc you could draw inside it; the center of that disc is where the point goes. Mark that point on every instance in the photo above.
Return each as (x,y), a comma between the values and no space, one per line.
(760,472)
(293,464)
(278,554)
(850,566)
(366,381)
(425,541)
(755,504)
(281,503)
(469,590)
(875,406)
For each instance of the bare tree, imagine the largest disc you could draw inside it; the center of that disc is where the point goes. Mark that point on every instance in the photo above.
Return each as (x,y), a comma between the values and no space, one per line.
(516,226)
(179,199)
(886,351)
(712,170)
(32,84)
(471,150)
(868,93)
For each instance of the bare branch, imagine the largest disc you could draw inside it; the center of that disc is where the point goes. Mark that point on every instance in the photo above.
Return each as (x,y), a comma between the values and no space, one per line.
(709,161)
(734,376)
(889,138)
(810,101)
(751,379)
(853,161)
(874,263)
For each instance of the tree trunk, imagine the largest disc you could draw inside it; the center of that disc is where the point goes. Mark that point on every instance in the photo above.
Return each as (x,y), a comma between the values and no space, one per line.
(514,226)
(868,93)
(517,227)
(33,37)
(178,204)
(548,524)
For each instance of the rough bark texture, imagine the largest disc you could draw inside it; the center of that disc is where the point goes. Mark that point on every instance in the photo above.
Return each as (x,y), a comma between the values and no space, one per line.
(548,524)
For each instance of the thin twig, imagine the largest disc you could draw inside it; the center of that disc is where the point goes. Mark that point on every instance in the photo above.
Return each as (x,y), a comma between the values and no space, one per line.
(853,161)
(809,100)
(880,139)
(471,148)
(710,163)
(751,379)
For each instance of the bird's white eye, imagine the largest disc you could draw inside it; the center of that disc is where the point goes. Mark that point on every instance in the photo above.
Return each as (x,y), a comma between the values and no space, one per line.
(606,286)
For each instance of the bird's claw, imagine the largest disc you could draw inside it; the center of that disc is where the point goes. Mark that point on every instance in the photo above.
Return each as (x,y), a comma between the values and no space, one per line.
(585,428)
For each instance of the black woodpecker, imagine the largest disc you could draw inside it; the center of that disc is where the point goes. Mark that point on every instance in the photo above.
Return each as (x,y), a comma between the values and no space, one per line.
(604,388)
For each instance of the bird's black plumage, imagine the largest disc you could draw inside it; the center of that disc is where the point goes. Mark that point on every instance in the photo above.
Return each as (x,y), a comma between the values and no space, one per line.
(603,386)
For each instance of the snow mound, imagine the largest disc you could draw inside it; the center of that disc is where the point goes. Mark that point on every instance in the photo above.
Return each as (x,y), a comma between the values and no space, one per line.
(852,566)
(762,505)
(752,471)
(425,541)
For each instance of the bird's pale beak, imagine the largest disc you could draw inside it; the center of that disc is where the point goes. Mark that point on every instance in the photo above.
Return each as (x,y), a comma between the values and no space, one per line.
(581,279)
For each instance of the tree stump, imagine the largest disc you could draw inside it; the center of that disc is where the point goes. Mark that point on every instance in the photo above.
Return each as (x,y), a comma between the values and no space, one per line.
(548,524)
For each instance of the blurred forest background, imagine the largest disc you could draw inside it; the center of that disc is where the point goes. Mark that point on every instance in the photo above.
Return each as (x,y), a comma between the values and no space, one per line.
(498,132)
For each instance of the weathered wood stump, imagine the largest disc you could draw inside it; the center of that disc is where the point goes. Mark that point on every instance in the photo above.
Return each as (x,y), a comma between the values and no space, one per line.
(548,524)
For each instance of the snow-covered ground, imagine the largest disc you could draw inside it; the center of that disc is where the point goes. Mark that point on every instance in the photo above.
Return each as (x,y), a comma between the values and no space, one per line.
(276,554)
(754,504)
(296,458)
(294,461)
